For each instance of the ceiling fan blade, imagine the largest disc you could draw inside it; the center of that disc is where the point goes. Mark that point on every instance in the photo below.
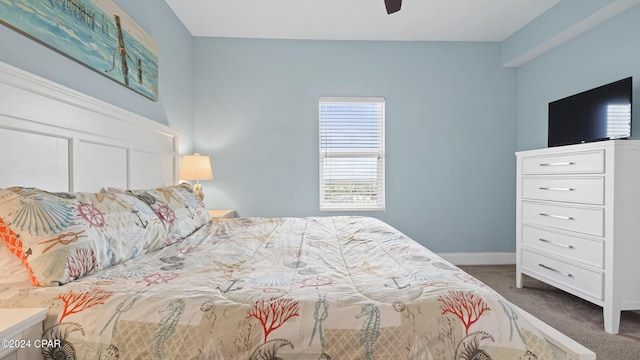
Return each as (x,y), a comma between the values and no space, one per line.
(392,5)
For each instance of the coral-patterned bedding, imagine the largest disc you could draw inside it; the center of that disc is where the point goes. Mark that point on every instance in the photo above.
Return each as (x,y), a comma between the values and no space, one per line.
(290,288)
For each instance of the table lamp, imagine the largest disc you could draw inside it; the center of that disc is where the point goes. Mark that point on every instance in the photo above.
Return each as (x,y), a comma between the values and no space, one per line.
(196,167)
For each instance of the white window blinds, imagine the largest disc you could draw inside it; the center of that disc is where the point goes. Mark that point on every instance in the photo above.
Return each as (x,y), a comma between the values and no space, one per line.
(352,153)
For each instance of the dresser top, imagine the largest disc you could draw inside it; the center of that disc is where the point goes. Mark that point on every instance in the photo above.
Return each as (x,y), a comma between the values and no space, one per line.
(625,143)
(16,320)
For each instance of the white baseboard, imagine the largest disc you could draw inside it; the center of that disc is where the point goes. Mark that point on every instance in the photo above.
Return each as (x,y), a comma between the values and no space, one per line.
(485,258)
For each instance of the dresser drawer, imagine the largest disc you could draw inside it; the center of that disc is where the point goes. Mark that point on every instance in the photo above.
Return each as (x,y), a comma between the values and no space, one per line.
(13,355)
(565,163)
(590,252)
(586,281)
(577,190)
(581,220)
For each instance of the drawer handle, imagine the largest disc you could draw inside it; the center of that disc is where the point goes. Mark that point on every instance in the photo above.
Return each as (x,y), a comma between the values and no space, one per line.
(558,216)
(557,189)
(557,243)
(558,164)
(556,271)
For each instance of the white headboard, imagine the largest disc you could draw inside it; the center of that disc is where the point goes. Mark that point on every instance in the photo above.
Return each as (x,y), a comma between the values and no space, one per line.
(58,139)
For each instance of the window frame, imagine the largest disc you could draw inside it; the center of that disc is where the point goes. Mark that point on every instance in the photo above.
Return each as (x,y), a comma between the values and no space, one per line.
(378,154)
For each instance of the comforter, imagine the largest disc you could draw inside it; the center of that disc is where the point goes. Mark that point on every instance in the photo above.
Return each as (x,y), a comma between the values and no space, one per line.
(282,288)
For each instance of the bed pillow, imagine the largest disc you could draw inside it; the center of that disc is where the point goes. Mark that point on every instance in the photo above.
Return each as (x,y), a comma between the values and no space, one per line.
(11,268)
(182,211)
(60,237)
(109,189)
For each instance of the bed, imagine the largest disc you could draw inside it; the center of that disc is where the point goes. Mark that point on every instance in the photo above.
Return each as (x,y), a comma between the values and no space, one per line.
(145,273)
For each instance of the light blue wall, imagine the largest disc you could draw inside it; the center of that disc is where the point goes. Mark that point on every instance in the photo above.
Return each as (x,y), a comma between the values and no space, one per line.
(608,52)
(560,19)
(174,106)
(449,131)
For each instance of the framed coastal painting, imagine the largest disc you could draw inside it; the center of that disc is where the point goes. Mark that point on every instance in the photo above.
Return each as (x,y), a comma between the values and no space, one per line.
(95,33)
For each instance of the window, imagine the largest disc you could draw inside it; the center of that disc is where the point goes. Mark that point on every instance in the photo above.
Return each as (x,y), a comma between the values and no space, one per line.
(352,153)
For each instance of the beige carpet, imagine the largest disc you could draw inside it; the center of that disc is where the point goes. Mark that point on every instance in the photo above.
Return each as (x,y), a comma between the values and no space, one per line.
(578,319)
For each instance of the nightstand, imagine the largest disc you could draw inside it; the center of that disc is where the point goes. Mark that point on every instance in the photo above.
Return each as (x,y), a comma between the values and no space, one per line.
(21,333)
(221,214)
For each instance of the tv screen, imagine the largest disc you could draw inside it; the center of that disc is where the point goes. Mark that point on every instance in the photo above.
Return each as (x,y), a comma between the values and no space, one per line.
(598,114)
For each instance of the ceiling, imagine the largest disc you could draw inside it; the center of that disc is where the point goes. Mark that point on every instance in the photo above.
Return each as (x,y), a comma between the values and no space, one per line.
(418,20)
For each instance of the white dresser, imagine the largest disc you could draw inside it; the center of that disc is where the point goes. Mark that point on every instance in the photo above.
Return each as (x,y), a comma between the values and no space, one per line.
(578,222)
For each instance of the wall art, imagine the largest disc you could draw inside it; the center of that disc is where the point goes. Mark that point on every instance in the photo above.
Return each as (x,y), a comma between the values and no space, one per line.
(95,33)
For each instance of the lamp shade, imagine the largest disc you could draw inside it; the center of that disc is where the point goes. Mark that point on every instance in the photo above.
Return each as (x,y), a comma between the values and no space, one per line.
(196,167)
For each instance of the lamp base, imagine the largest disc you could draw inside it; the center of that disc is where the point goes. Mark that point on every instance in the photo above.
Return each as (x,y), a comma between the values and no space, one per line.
(197,189)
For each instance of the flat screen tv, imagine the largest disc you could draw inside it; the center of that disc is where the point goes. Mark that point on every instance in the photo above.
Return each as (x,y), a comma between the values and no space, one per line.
(598,114)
